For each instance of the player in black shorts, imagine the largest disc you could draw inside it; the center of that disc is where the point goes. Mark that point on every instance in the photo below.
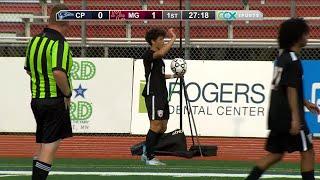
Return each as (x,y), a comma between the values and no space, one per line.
(155,91)
(289,131)
(49,63)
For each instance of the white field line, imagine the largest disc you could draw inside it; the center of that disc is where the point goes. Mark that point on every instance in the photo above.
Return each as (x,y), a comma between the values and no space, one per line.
(151,174)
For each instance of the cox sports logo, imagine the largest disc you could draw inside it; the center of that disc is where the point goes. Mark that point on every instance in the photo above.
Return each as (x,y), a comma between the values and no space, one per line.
(226,15)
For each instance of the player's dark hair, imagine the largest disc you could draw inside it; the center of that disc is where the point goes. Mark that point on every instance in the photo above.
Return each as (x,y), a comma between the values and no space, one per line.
(153,34)
(291,31)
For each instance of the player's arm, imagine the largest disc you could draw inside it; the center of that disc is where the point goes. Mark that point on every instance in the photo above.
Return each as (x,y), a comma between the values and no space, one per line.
(60,51)
(293,103)
(62,82)
(290,79)
(27,66)
(166,48)
(311,107)
(171,76)
(27,60)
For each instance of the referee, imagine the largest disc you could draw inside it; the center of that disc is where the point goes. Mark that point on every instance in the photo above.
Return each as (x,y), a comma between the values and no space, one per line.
(48,63)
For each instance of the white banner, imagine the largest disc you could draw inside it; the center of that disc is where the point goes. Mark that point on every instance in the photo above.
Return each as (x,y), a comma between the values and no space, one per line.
(106,86)
(228,98)
(101,101)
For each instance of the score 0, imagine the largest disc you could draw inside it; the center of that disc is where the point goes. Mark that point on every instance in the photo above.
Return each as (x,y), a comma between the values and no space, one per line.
(100,15)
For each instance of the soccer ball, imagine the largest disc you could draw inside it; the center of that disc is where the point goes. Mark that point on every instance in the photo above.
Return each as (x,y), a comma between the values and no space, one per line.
(179,66)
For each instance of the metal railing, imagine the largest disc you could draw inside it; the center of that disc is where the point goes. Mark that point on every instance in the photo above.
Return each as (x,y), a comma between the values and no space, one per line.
(195,46)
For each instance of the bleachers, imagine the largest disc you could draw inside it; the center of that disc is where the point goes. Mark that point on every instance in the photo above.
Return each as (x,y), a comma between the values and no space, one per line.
(27,8)
(199,29)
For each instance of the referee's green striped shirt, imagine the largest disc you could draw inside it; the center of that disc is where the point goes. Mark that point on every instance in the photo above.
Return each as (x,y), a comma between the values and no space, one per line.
(47,52)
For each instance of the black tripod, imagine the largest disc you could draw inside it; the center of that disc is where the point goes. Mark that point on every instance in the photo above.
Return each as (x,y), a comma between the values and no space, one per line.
(192,124)
(208,150)
(190,115)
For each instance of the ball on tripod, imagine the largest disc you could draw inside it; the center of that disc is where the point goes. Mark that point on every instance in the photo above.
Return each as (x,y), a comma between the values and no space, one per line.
(179,66)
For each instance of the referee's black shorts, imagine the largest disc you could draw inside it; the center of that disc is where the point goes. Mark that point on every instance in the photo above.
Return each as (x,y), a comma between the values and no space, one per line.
(53,120)
(157,107)
(285,142)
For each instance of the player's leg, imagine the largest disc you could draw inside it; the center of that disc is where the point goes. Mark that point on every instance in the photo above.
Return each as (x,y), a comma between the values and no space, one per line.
(166,116)
(48,151)
(276,146)
(155,113)
(37,153)
(160,127)
(157,128)
(307,155)
(153,137)
(154,128)
(56,125)
(269,160)
(42,165)
(164,124)
(307,165)
(150,159)
(263,164)
(162,114)
(39,115)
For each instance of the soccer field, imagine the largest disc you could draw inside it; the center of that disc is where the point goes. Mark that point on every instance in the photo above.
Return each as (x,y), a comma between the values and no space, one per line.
(92,169)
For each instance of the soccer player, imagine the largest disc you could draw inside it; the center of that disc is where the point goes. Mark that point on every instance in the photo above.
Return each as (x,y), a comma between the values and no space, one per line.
(289,131)
(48,63)
(155,91)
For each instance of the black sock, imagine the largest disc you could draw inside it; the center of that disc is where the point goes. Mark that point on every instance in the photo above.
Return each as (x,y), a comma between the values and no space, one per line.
(151,141)
(309,175)
(255,173)
(40,170)
(34,167)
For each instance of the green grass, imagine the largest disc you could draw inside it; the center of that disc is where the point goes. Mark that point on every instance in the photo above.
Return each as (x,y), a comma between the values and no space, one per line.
(173,166)
(124,178)
(127,178)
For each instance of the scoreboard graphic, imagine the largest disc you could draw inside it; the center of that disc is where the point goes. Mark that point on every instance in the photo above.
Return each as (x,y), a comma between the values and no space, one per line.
(179,15)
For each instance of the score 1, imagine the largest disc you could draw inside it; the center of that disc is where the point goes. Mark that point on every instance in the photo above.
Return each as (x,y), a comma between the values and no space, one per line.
(146,15)
(135,15)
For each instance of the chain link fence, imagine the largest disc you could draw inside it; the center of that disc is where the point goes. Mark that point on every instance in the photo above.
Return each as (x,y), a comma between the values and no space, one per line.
(16,21)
